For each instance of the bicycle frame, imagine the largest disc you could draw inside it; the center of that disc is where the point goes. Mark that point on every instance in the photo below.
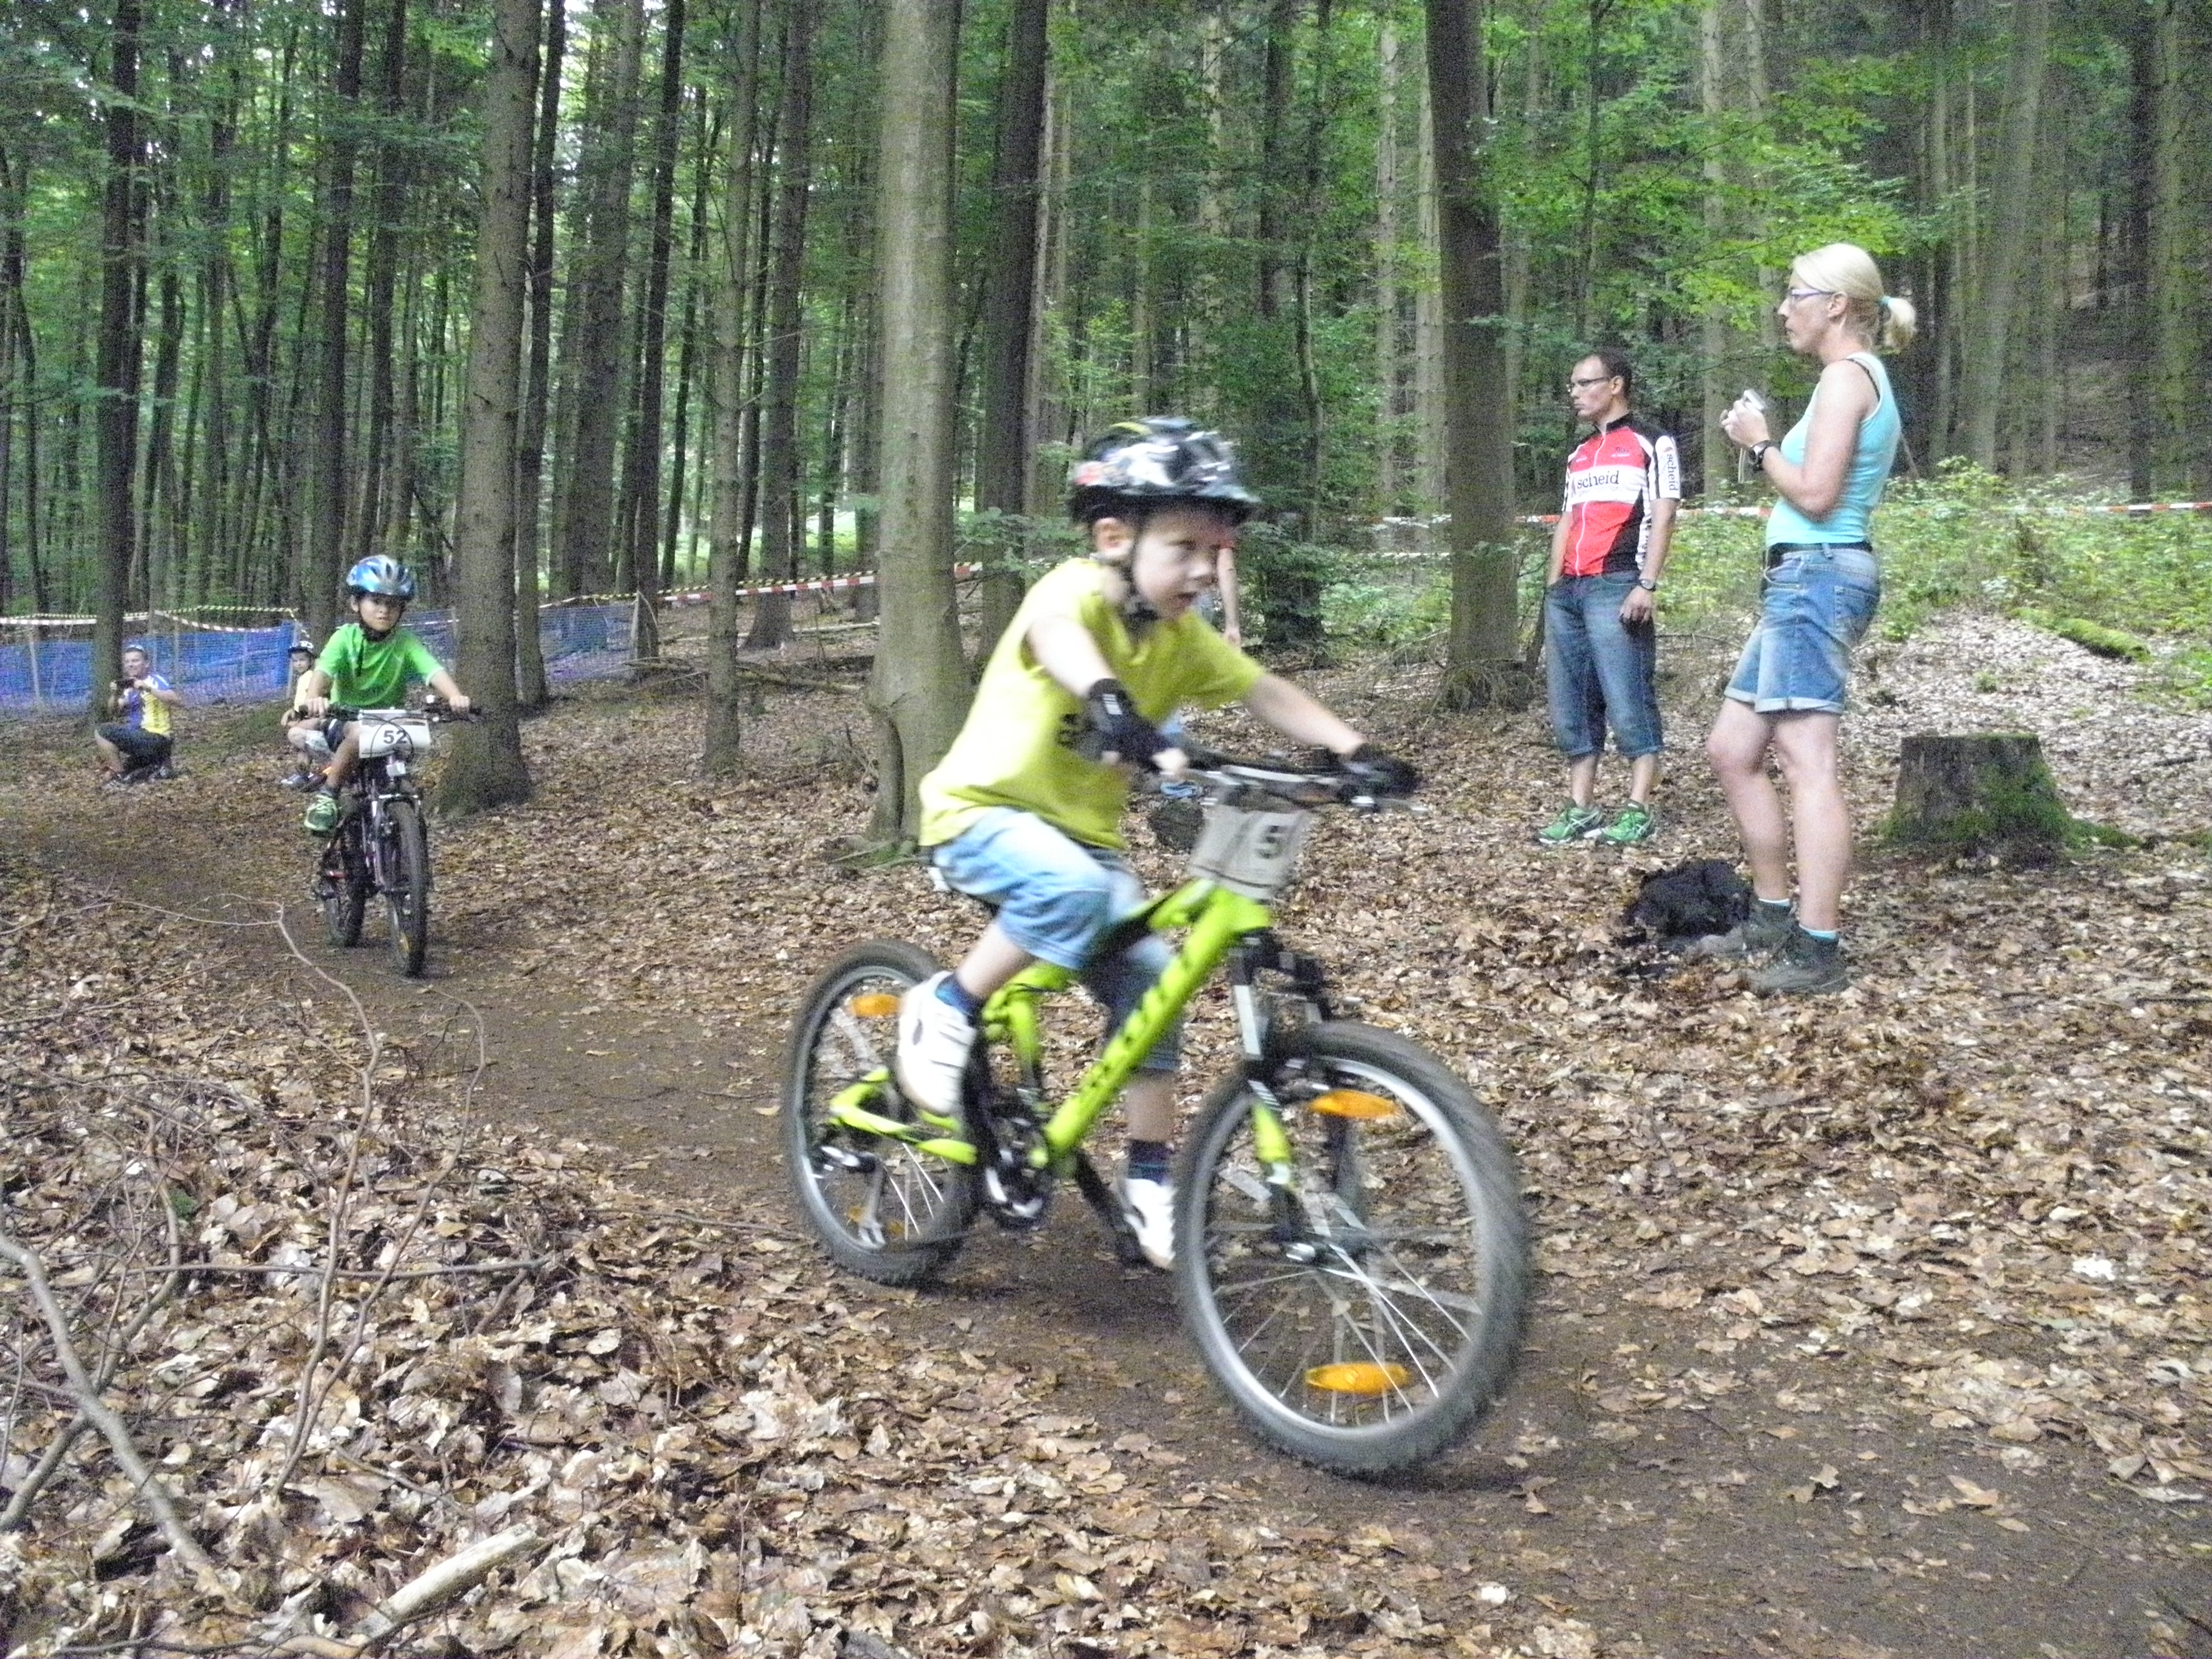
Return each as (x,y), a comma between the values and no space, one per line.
(1222,923)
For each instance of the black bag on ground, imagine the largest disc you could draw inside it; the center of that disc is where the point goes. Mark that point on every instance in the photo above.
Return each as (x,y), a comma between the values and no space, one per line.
(1689,902)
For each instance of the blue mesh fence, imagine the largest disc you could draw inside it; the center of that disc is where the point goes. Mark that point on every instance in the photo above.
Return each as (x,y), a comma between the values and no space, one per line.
(216,666)
(208,666)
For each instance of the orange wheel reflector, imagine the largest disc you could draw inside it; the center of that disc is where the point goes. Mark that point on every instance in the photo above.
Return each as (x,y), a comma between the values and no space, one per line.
(874,1005)
(1363,1377)
(1351,1103)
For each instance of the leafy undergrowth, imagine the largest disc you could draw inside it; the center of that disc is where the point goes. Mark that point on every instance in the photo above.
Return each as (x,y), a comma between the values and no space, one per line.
(1967,1196)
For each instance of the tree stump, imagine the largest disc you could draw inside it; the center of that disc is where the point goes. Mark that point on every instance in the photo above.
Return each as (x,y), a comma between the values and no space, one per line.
(1976,796)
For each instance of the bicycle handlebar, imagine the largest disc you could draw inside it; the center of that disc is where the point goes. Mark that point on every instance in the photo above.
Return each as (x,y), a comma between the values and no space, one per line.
(434,712)
(1227,777)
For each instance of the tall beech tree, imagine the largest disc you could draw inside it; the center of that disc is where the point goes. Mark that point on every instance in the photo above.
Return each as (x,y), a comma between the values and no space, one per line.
(784,342)
(121,259)
(1482,665)
(918,689)
(1003,438)
(486,768)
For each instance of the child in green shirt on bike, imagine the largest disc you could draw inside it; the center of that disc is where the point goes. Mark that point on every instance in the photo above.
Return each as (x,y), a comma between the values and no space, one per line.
(1024,811)
(367,664)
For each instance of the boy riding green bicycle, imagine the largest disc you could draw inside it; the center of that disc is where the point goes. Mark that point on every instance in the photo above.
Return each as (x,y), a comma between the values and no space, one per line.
(1024,809)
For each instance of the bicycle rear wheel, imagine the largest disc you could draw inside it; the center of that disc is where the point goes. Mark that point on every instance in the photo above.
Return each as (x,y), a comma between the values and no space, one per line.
(407,884)
(1366,1317)
(342,886)
(881,1208)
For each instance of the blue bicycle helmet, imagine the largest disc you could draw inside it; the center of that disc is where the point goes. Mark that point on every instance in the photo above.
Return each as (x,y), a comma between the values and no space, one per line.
(381,575)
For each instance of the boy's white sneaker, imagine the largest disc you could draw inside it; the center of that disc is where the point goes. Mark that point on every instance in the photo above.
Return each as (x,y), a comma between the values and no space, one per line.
(1150,1206)
(934,1039)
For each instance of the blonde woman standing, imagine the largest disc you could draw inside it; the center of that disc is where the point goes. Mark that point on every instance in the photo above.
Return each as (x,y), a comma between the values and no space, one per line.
(1786,696)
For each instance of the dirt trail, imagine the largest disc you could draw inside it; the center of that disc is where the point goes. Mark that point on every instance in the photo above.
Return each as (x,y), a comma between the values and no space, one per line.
(1749,1522)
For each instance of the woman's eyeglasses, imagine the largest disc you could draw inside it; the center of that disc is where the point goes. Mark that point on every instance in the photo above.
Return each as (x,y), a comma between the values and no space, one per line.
(1790,296)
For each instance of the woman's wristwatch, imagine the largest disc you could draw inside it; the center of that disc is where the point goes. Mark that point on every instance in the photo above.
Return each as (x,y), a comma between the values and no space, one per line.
(1647,584)
(1758,450)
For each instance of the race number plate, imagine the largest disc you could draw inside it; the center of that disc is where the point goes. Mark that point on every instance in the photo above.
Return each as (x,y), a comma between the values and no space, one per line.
(1255,853)
(393,737)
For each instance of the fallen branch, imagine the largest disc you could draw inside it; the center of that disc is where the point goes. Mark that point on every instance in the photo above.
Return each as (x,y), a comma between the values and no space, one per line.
(103,1418)
(434,1586)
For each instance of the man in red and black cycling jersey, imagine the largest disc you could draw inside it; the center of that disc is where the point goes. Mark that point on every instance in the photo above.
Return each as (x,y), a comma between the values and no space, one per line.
(1623,481)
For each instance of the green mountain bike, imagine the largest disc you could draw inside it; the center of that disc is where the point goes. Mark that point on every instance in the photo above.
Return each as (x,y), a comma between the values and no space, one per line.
(1351,1254)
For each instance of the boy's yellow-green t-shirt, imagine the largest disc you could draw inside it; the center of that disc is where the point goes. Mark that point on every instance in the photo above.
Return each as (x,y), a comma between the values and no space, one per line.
(1018,746)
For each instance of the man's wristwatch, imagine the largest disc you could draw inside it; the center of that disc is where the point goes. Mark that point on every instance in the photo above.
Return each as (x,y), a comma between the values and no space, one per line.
(1758,450)
(1647,584)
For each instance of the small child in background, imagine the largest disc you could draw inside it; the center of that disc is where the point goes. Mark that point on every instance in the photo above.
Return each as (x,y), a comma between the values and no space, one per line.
(310,751)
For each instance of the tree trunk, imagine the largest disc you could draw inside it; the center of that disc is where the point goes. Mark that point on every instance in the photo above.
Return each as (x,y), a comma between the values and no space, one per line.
(531,690)
(1388,344)
(584,525)
(1003,442)
(329,480)
(1430,444)
(779,447)
(1483,665)
(2180,244)
(115,376)
(919,688)
(725,378)
(1978,797)
(486,768)
(640,517)
(2011,205)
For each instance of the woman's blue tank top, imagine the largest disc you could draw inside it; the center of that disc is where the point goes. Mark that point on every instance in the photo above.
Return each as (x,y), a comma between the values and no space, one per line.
(1864,479)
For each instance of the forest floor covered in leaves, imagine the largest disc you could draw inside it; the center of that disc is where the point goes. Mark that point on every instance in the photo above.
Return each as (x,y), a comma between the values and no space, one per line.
(1874,1324)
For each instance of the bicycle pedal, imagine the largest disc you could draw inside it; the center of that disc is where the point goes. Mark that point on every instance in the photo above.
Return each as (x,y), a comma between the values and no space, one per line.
(843,1159)
(1015,1214)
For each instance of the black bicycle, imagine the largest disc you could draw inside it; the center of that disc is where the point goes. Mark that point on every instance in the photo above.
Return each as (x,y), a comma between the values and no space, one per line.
(382,840)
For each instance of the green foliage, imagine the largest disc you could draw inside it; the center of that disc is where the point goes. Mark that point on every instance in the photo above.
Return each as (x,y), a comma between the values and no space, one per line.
(2047,553)
(1377,606)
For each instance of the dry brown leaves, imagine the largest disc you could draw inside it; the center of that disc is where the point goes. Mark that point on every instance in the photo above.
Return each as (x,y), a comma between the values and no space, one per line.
(1970,1190)
(717,1455)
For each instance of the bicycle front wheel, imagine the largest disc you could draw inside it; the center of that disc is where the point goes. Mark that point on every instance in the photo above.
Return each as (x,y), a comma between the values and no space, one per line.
(882,1208)
(342,886)
(1367,1315)
(407,884)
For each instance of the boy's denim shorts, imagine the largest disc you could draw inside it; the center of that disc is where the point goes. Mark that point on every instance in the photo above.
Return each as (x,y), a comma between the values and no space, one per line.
(1056,898)
(1816,605)
(1599,670)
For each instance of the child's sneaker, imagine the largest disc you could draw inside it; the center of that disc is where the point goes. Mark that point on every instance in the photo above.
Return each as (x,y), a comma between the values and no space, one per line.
(323,813)
(1574,823)
(1629,825)
(1150,1206)
(934,1038)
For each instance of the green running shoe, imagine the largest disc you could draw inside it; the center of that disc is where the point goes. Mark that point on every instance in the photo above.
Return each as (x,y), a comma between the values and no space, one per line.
(1574,823)
(1629,825)
(323,813)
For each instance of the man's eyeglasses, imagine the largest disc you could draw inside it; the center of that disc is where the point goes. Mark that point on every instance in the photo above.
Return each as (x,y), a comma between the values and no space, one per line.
(1790,296)
(1577,382)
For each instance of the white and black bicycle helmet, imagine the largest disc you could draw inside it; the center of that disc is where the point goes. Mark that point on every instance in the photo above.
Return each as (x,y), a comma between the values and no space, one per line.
(1160,460)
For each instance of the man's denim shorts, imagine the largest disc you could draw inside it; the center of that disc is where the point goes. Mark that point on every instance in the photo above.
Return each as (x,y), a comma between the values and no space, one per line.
(1598,670)
(1815,607)
(1056,898)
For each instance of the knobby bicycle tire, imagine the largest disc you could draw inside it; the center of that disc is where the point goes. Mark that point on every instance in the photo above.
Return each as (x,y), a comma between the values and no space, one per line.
(344,876)
(407,884)
(1403,1325)
(901,1216)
